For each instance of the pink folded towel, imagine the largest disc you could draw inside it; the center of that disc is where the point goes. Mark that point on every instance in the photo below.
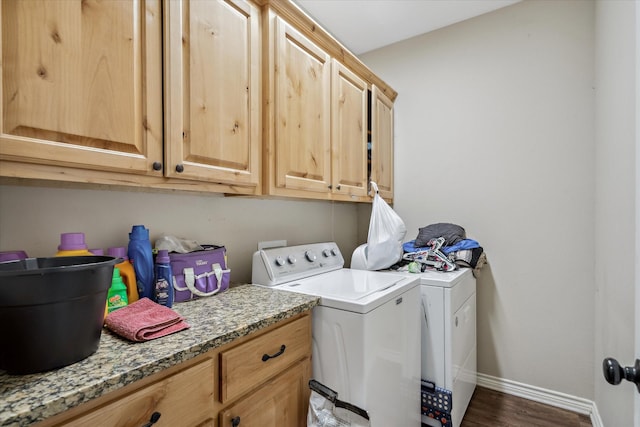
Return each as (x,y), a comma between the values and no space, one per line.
(145,320)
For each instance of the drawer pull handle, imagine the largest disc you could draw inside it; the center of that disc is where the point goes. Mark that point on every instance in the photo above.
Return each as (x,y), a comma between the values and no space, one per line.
(235,421)
(154,419)
(266,357)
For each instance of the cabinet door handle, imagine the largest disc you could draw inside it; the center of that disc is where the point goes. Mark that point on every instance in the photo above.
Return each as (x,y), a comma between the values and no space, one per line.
(154,419)
(157,166)
(266,357)
(235,421)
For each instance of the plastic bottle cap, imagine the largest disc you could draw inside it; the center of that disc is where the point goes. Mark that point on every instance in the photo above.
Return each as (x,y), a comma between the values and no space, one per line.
(139,232)
(12,255)
(118,252)
(163,256)
(72,242)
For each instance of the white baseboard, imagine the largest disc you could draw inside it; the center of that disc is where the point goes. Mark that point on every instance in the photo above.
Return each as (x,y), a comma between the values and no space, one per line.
(541,395)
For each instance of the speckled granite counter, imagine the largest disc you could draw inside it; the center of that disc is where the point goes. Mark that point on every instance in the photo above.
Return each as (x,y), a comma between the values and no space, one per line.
(215,321)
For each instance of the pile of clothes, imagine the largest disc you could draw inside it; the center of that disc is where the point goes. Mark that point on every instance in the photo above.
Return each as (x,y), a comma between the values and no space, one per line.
(443,246)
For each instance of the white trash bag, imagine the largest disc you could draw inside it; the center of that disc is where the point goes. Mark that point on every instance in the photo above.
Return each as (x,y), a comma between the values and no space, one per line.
(384,243)
(325,410)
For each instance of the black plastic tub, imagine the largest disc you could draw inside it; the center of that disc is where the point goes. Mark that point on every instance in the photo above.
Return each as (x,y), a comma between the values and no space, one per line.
(52,311)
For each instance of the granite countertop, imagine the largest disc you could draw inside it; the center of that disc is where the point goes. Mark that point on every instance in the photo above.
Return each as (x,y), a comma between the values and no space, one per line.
(215,321)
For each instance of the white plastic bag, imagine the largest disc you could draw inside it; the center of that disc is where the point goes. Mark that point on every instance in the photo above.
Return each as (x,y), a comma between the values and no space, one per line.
(384,243)
(177,244)
(326,410)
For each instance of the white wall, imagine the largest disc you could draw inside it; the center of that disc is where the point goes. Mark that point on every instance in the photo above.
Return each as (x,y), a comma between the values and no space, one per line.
(494,131)
(616,215)
(32,218)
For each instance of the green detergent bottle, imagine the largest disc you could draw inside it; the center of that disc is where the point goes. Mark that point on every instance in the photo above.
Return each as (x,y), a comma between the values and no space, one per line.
(117,296)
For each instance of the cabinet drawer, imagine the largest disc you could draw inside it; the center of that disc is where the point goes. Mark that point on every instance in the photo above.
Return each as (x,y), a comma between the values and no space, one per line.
(182,399)
(248,364)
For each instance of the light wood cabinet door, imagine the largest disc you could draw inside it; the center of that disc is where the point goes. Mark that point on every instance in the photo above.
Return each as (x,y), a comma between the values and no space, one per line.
(182,399)
(82,84)
(382,142)
(281,402)
(348,132)
(212,87)
(300,149)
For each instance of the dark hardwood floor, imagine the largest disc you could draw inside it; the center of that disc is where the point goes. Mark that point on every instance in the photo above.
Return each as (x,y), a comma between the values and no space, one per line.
(496,409)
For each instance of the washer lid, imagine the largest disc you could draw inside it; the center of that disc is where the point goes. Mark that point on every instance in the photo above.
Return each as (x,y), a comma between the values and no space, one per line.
(347,284)
(353,290)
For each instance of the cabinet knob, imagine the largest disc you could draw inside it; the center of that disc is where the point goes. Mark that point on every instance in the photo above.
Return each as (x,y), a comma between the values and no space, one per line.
(330,186)
(338,187)
(157,166)
(179,168)
(235,421)
(154,419)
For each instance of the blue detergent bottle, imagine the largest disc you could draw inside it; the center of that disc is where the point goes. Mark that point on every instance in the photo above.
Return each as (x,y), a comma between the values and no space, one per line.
(139,252)
(164,279)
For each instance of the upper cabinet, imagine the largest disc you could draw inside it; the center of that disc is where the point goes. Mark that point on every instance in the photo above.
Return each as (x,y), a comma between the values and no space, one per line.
(321,114)
(82,93)
(212,91)
(82,84)
(232,96)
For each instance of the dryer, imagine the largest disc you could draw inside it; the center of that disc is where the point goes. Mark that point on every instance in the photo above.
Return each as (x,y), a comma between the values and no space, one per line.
(448,329)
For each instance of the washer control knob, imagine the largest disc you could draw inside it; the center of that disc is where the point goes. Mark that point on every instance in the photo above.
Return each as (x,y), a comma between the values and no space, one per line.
(291,259)
(326,253)
(335,251)
(279,261)
(310,256)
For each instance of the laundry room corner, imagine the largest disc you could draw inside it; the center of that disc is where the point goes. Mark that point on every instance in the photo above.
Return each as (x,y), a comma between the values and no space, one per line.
(484,139)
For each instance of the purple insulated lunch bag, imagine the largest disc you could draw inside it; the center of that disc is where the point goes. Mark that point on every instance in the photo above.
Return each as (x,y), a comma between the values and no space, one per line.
(200,273)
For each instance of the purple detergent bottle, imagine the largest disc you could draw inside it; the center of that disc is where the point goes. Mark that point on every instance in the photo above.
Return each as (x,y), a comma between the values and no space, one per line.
(164,279)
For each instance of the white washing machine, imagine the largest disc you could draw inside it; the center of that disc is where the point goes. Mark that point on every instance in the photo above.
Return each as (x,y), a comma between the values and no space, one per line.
(448,328)
(366,331)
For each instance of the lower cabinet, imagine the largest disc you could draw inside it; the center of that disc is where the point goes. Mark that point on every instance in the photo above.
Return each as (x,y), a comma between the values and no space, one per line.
(280,402)
(257,380)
